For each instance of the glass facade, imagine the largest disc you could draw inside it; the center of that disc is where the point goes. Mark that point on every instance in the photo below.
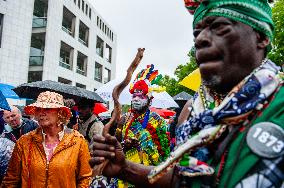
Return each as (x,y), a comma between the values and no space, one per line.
(66,54)
(40,14)
(100,47)
(37,49)
(108,53)
(81,85)
(64,81)
(68,22)
(82,64)
(83,33)
(107,75)
(34,76)
(98,72)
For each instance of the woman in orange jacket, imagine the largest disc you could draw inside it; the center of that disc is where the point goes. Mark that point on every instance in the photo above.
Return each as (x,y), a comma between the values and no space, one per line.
(52,155)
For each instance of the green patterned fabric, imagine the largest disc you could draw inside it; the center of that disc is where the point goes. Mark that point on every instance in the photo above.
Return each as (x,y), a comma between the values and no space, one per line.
(255,13)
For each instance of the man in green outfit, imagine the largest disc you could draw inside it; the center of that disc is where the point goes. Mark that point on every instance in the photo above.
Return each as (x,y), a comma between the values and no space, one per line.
(241,90)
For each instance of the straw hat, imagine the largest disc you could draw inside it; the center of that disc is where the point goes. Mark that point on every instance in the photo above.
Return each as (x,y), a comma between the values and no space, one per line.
(48,99)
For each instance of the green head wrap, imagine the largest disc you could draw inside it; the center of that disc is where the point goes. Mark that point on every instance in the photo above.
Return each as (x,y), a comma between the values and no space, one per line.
(255,13)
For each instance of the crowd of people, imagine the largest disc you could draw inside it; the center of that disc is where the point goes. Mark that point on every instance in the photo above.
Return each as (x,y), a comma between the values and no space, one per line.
(50,145)
(230,134)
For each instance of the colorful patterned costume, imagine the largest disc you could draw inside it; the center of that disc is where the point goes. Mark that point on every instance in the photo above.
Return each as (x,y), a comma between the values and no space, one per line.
(153,139)
(146,127)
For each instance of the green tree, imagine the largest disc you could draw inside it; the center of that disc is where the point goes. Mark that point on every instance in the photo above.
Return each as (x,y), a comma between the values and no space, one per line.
(277,52)
(172,84)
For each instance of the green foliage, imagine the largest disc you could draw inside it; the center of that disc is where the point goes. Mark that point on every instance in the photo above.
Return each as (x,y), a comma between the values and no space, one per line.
(125,108)
(277,53)
(172,84)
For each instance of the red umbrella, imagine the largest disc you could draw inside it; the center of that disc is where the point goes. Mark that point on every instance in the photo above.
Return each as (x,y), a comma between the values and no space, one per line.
(168,112)
(158,111)
(163,112)
(99,108)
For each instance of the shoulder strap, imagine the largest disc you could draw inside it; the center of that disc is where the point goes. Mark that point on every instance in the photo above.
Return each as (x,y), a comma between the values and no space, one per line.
(88,130)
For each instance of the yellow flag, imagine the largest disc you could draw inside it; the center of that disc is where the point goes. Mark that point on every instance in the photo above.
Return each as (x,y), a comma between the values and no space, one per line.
(192,81)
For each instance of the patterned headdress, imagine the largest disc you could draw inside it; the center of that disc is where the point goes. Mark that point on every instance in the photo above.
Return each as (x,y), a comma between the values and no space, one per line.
(145,80)
(255,13)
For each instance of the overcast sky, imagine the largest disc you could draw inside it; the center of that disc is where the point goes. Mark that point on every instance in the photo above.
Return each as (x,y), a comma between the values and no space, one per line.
(163,27)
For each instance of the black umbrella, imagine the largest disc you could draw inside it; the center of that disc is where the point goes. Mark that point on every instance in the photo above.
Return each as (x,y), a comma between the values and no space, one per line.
(182,96)
(33,89)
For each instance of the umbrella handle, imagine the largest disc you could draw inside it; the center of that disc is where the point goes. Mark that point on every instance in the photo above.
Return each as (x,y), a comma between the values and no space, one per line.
(117,106)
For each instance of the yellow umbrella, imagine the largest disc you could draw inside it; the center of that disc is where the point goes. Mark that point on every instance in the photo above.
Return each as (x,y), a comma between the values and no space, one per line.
(192,81)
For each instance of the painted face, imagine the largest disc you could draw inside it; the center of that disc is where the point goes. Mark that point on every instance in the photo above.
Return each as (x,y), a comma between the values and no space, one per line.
(46,116)
(226,52)
(139,101)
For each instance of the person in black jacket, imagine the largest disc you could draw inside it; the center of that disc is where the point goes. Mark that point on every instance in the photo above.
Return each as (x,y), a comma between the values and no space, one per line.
(16,125)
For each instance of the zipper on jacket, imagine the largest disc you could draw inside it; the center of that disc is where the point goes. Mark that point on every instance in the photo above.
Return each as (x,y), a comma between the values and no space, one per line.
(46,173)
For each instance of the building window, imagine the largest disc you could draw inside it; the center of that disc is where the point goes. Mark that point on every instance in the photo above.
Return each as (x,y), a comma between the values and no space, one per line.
(108,53)
(98,20)
(100,47)
(1,27)
(37,49)
(87,9)
(68,22)
(64,81)
(40,14)
(83,5)
(90,13)
(98,72)
(75,2)
(81,85)
(34,76)
(107,75)
(82,61)
(66,56)
(83,33)
(79,4)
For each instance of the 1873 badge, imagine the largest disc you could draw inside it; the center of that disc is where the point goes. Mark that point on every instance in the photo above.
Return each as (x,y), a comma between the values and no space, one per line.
(266,139)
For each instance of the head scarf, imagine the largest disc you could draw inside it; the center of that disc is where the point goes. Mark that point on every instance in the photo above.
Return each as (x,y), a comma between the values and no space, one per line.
(255,13)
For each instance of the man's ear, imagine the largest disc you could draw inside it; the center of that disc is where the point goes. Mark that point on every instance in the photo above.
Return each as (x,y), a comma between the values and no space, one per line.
(262,40)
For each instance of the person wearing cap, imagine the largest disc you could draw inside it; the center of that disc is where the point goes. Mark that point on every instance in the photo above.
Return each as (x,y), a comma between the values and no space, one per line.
(52,155)
(142,132)
(241,92)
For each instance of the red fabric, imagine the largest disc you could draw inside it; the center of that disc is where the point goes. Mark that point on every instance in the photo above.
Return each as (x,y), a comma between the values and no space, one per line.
(99,108)
(141,86)
(163,112)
